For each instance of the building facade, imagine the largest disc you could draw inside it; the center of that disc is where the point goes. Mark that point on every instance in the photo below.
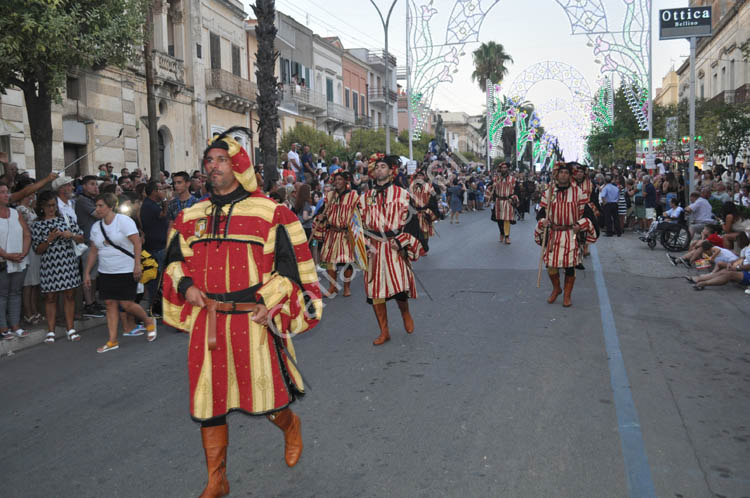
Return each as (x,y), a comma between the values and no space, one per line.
(461,134)
(668,93)
(201,86)
(721,71)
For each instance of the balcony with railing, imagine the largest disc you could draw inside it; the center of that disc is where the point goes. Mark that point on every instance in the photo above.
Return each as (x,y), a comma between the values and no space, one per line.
(363,121)
(378,95)
(229,91)
(377,58)
(303,99)
(339,114)
(168,68)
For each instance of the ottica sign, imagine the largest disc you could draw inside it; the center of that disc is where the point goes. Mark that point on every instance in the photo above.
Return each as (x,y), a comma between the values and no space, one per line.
(684,23)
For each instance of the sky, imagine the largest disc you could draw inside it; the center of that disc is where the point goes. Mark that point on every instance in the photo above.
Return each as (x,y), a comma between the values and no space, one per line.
(531,31)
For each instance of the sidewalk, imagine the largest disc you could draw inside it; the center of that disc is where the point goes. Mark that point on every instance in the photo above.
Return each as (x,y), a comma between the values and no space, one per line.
(629,255)
(38,332)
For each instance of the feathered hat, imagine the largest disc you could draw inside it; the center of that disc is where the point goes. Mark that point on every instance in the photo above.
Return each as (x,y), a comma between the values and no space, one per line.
(241,163)
(560,165)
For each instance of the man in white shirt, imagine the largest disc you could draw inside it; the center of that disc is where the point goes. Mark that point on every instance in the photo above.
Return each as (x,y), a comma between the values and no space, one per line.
(294,164)
(63,186)
(700,210)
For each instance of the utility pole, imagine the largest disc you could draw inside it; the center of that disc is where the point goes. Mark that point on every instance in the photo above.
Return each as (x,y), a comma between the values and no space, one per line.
(386,83)
(650,82)
(691,160)
(408,86)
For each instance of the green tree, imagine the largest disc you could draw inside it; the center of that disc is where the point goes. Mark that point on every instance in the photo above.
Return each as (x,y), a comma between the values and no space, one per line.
(734,132)
(42,40)
(490,62)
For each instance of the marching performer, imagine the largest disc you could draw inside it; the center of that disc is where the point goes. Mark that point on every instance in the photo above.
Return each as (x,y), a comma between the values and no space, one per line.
(502,193)
(563,215)
(582,180)
(424,202)
(392,242)
(239,278)
(332,227)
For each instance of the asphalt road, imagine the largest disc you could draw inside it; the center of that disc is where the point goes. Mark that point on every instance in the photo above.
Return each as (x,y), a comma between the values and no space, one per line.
(496,394)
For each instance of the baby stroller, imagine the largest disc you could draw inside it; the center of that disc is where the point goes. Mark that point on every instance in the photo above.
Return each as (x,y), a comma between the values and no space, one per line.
(673,235)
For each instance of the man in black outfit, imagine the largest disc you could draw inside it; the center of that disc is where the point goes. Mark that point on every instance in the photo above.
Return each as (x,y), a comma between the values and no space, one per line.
(154,224)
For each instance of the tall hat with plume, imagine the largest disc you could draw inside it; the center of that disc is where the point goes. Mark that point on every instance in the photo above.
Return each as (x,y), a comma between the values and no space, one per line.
(241,163)
(560,165)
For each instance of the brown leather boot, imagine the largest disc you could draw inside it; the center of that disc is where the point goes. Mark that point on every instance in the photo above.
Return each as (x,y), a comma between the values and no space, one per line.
(347,281)
(290,423)
(333,288)
(408,322)
(556,290)
(569,281)
(215,440)
(381,312)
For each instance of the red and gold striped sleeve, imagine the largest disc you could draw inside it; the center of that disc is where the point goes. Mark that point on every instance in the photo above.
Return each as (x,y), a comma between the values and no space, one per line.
(175,309)
(290,290)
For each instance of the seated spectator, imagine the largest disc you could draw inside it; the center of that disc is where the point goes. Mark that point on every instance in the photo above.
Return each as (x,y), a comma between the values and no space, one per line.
(734,223)
(721,193)
(742,197)
(675,212)
(700,211)
(695,252)
(716,254)
(735,270)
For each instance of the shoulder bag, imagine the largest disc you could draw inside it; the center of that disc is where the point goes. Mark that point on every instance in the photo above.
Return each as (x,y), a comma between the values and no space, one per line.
(109,241)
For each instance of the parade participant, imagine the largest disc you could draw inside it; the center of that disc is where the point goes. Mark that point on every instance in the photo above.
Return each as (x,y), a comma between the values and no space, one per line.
(332,227)
(392,242)
(582,180)
(237,269)
(424,201)
(563,214)
(502,193)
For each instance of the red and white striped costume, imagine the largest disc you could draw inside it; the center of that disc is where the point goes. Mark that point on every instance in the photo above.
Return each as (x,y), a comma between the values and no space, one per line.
(502,193)
(385,212)
(565,210)
(333,227)
(420,194)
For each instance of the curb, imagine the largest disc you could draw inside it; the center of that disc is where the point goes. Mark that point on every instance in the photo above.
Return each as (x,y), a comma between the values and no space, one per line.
(37,335)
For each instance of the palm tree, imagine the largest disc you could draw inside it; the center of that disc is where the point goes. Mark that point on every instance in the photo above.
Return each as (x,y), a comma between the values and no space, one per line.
(490,62)
(268,90)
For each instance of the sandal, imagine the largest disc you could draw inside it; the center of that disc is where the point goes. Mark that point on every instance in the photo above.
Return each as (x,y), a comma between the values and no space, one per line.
(698,287)
(73,335)
(151,332)
(507,240)
(690,279)
(49,338)
(108,347)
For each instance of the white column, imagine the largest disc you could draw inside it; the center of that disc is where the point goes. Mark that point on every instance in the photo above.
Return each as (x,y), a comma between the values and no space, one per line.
(160,27)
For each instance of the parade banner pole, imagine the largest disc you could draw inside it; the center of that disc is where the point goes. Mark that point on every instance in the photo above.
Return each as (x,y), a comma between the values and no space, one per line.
(544,235)
(86,154)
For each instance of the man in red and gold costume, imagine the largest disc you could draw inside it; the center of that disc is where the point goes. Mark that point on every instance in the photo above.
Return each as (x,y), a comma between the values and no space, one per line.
(582,180)
(392,243)
(563,214)
(332,229)
(424,202)
(239,278)
(501,192)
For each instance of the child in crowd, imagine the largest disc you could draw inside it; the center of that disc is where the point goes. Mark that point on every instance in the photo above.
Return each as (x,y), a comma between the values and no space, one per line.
(725,271)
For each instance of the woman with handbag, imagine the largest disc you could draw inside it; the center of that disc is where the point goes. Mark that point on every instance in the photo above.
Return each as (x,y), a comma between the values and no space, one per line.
(55,239)
(115,240)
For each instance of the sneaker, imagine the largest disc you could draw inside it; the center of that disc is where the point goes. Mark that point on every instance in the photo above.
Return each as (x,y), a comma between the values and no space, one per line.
(8,335)
(91,311)
(137,331)
(21,333)
(672,259)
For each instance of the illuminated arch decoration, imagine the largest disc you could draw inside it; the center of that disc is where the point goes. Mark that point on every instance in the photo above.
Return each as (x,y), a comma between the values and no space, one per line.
(624,52)
(572,130)
(603,108)
(555,71)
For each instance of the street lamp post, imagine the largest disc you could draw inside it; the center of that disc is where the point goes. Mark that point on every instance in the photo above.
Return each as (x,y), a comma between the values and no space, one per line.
(385,23)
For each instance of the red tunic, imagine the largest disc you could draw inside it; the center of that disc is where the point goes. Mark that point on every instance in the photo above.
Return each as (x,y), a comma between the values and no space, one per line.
(385,213)
(502,191)
(566,209)
(332,227)
(263,255)
(420,195)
